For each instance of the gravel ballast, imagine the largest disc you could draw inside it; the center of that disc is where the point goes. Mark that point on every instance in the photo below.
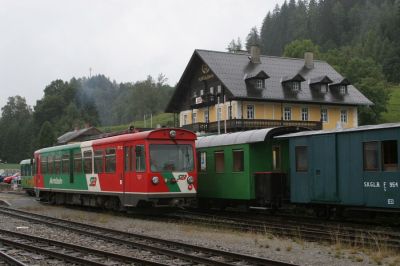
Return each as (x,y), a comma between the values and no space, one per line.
(263,245)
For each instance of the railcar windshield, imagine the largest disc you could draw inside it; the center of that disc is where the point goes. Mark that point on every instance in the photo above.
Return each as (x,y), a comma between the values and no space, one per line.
(167,157)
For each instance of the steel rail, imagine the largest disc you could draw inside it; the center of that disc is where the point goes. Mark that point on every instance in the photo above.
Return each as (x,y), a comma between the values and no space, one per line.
(166,247)
(11,260)
(81,249)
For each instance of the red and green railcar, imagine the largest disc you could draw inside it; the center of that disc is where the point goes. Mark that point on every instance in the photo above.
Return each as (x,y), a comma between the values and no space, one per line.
(27,176)
(138,169)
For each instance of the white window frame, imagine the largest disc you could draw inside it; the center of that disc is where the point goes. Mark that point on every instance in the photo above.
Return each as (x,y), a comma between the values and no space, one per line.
(251,110)
(229,112)
(287,113)
(194,117)
(343,116)
(304,114)
(342,89)
(259,84)
(206,116)
(296,85)
(185,119)
(324,88)
(219,113)
(324,115)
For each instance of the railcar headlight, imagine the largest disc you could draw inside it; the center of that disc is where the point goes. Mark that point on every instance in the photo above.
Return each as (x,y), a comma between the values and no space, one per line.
(172,134)
(155,180)
(190,179)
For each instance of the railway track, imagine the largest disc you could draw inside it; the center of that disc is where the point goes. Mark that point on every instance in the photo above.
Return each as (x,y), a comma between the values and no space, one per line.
(190,254)
(39,249)
(304,229)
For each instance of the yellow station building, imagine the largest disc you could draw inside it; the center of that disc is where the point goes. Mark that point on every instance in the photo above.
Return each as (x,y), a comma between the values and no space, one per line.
(225,92)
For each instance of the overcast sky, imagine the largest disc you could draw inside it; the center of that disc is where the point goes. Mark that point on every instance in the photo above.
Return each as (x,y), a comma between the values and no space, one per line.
(126,40)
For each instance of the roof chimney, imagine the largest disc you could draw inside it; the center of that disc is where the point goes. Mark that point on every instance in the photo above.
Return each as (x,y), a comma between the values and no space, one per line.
(255,54)
(309,60)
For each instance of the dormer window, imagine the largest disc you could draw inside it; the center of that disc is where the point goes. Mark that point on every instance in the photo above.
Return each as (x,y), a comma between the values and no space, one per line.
(259,83)
(343,89)
(295,86)
(324,88)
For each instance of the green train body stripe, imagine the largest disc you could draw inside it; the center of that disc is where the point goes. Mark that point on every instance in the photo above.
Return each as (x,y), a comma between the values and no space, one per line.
(172,187)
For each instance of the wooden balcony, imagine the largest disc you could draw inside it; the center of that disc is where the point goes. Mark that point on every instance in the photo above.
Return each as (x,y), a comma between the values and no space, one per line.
(233,125)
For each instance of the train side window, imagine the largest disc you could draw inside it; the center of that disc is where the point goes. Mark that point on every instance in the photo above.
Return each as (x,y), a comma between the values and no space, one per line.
(238,161)
(57,164)
(43,165)
(50,164)
(87,159)
(276,158)
(98,161)
(132,158)
(219,161)
(127,158)
(202,161)
(78,162)
(140,158)
(370,156)
(389,155)
(301,158)
(65,163)
(110,160)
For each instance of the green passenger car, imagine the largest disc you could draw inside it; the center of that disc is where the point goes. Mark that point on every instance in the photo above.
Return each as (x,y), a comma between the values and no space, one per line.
(248,167)
(357,168)
(27,167)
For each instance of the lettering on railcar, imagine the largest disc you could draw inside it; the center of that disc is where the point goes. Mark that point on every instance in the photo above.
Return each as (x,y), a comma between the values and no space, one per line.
(55,181)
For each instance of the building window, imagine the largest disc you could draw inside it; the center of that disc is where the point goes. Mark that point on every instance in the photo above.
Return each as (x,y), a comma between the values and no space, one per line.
(219,161)
(219,89)
(343,116)
(370,155)
(202,163)
(238,161)
(230,112)
(184,119)
(324,88)
(194,94)
(301,159)
(389,155)
(211,90)
(287,113)
(324,115)
(219,114)
(259,83)
(276,158)
(206,116)
(304,114)
(194,118)
(342,89)
(201,92)
(250,111)
(110,160)
(296,86)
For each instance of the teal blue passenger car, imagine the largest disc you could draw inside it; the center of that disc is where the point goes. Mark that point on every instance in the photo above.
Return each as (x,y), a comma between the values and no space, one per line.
(356,167)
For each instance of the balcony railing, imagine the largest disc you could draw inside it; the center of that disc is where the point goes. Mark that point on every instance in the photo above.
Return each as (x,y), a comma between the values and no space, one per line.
(233,125)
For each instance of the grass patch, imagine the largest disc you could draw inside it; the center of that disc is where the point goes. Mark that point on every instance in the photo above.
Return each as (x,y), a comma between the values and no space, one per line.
(9,166)
(393,107)
(163,119)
